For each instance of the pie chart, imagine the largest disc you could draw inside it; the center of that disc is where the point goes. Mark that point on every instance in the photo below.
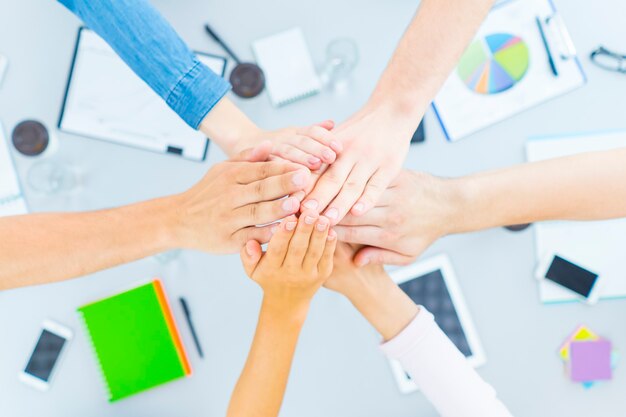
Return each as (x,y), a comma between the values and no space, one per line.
(494,63)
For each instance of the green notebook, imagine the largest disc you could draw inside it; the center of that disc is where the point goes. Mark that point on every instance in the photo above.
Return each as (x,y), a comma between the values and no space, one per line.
(136,340)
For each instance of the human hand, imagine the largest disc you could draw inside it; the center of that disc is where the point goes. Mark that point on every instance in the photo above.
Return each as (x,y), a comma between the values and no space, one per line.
(412,213)
(298,260)
(221,212)
(375,143)
(311,146)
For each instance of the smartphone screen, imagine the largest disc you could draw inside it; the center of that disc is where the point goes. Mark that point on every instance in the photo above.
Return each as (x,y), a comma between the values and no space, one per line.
(571,276)
(45,355)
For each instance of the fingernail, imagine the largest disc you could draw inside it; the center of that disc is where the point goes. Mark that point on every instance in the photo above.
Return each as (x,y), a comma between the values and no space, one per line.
(299,178)
(359,207)
(337,147)
(311,204)
(364,261)
(290,225)
(328,155)
(273,229)
(313,160)
(309,219)
(249,250)
(331,236)
(321,226)
(333,213)
(289,205)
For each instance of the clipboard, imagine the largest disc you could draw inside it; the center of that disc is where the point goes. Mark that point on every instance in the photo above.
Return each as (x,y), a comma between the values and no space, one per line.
(506,69)
(105,100)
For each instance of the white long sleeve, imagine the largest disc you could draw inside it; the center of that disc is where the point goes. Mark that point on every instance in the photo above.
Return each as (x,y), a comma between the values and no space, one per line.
(441,371)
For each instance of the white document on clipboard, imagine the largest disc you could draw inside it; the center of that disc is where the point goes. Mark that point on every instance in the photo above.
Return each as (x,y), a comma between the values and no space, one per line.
(505,69)
(12,200)
(106,100)
(597,244)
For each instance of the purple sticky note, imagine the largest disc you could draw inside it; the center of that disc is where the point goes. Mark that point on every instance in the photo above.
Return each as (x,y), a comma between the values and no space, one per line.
(590,360)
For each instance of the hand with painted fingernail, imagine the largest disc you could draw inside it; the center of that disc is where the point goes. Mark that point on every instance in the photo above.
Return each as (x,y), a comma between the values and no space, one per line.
(298,260)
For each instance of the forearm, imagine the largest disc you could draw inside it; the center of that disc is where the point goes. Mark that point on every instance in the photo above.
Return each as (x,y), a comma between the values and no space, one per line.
(50,247)
(418,67)
(226,125)
(381,302)
(261,386)
(153,50)
(589,186)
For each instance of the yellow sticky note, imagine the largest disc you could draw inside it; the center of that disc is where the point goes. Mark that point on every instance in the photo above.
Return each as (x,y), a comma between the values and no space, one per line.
(581,333)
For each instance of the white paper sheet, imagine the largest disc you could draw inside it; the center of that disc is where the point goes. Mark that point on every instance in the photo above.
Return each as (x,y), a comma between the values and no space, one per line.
(106,100)
(463,111)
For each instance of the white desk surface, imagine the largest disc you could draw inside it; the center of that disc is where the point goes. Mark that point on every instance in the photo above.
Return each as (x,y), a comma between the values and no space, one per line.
(338,370)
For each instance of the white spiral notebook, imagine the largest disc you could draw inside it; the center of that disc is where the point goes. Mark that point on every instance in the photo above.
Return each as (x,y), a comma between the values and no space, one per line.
(289,71)
(11,198)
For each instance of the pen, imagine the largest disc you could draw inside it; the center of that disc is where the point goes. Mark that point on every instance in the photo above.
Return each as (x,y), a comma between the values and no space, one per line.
(183,303)
(545,45)
(219,40)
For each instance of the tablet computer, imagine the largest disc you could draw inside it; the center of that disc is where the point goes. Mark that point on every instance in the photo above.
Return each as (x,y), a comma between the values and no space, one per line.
(106,100)
(433,284)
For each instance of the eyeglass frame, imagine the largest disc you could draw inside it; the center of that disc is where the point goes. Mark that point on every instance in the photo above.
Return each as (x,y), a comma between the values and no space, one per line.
(621,59)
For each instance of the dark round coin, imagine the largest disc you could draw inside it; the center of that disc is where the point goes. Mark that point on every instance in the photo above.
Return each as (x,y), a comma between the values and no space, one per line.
(247,80)
(517,227)
(30,137)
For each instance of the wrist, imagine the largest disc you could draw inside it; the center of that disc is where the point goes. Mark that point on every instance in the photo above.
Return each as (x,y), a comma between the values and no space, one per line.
(286,310)
(161,215)
(388,309)
(229,127)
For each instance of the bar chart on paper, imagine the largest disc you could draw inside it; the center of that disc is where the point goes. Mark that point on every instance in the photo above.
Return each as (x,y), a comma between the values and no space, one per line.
(494,63)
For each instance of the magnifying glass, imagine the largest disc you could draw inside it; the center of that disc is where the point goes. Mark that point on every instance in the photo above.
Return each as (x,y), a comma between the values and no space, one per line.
(246,78)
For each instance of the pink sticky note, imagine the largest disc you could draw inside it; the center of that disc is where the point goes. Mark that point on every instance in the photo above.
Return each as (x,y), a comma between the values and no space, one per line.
(590,360)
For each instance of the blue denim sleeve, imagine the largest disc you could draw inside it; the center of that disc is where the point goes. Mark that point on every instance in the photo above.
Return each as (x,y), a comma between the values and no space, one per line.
(154,51)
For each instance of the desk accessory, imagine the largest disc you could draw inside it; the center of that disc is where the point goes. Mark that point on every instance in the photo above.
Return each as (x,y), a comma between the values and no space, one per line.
(247,79)
(587,357)
(505,71)
(289,70)
(187,311)
(12,200)
(30,137)
(433,284)
(608,60)
(596,243)
(136,340)
(105,100)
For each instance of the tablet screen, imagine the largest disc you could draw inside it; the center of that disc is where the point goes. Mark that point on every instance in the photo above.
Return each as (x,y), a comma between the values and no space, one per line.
(430,290)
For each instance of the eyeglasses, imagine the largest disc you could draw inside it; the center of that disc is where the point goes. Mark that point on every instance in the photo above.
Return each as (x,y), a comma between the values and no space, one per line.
(608,60)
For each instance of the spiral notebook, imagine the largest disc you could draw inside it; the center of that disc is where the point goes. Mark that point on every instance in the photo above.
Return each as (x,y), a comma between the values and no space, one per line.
(289,71)
(11,198)
(135,339)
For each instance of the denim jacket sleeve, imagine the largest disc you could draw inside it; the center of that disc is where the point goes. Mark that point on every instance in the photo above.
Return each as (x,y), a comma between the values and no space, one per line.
(155,52)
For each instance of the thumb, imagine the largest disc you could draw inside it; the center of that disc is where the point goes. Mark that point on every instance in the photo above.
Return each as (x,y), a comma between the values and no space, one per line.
(251,254)
(259,153)
(326,124)
(372,255)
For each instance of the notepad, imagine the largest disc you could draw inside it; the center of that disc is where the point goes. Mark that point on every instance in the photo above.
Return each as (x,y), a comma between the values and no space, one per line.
(11,198)
(289,71)
(135,339)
